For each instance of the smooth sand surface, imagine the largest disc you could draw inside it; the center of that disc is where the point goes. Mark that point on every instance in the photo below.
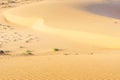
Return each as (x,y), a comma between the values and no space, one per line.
(71,67)
(71,20)
(86,32)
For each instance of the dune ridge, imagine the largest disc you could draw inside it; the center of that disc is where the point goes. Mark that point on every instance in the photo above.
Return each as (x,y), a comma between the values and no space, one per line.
(81,36)
(100,40)
(19,19)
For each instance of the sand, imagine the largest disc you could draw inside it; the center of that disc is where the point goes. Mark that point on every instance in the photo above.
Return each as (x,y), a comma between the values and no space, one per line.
(85,32)
(64,19)
(70,67)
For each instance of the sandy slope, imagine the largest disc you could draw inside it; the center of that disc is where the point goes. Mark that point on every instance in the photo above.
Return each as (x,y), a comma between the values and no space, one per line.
(70,20)
(71,67)
(82,29)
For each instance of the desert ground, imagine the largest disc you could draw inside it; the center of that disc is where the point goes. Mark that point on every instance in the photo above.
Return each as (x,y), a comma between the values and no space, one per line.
(60,39)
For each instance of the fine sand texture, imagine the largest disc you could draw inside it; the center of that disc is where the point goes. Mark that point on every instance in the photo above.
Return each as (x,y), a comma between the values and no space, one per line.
(66,67)
(72,20)
(60,40)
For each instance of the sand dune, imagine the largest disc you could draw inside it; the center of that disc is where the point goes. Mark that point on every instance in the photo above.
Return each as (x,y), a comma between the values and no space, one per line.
(86,32)
(67,20)
(71,67)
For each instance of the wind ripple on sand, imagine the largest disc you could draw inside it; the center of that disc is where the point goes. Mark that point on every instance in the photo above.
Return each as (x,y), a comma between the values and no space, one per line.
(81,67)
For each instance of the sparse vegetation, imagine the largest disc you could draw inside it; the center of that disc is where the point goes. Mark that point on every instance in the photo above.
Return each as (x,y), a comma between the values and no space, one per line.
(28,52)
(56,49)
(7,51)
(2,52)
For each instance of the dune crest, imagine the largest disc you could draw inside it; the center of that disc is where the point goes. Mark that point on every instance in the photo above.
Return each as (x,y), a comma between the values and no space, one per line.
(60,40)
(83,37)
(48,11)
(19,19)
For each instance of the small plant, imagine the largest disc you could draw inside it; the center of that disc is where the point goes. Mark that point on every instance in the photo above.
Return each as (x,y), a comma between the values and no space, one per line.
(28,52)
(56,49)
(7,51)
(4,52)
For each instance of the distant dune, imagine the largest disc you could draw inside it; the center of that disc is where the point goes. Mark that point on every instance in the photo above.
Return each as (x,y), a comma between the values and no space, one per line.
(65,19)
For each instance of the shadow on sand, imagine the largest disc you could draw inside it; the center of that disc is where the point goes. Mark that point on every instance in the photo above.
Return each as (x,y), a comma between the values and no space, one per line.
(109,8)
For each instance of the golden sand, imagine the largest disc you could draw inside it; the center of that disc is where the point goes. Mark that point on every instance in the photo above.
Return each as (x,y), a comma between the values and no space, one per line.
(69,19)
(86,33)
